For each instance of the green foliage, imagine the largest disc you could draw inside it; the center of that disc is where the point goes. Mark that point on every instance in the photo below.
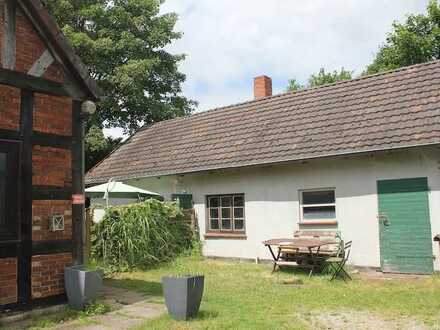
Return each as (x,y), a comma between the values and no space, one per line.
(140,235)
(123,42)
(295,85)
(415,41)
(97,146)
(322,78)
(93,309)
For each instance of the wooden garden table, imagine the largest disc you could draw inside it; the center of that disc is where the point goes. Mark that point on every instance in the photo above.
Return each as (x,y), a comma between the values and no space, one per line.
(311,245)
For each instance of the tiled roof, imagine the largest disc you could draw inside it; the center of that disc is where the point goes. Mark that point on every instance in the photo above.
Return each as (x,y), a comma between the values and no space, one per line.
(397,109)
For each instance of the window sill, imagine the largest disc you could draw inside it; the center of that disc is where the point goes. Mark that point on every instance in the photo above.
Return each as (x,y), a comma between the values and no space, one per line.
(319,223)
(225,236)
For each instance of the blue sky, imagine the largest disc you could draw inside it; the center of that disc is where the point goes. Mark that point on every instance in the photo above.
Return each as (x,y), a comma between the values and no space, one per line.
(229,42)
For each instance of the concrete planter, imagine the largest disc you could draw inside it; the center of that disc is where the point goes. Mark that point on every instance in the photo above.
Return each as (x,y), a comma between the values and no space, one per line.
(183,295)
(82,285)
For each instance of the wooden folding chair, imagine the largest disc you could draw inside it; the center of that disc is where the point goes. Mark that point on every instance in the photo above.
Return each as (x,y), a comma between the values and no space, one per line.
(336,264)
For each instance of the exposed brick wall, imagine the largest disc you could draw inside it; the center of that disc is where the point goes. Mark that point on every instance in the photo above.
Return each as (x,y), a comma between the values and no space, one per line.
(29,45)
(55,72)
(9,107)
(42,212)
(48,274)
(53,114)
(51,167)
(8,281)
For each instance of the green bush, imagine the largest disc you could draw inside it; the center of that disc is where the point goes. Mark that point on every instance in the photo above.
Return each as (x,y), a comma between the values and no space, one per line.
(140,235)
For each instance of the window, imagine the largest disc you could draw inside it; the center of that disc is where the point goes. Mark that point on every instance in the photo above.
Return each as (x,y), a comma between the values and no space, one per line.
(226,213)
(8,191)
(318,205)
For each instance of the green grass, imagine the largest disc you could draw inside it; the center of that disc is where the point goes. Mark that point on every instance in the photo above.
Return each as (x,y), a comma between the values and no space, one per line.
(65,315)
(246,296)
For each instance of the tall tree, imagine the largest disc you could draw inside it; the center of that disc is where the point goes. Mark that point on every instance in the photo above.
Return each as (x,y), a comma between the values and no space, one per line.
(97,146)
(417,40)
(123,43)
(321,78)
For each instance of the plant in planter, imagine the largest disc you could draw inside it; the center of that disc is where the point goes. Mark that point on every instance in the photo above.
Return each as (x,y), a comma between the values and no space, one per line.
(183,295)
(82,284)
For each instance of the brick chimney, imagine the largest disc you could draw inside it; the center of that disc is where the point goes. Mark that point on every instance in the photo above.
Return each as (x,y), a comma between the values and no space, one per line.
(262,87)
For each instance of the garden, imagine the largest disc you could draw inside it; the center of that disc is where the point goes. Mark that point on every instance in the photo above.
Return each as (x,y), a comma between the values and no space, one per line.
(139,244)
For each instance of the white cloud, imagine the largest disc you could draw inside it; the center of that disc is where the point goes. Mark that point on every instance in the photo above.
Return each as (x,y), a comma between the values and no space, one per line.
(229,42)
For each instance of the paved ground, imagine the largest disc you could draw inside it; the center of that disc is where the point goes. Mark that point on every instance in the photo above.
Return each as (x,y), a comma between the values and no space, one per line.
(130,309)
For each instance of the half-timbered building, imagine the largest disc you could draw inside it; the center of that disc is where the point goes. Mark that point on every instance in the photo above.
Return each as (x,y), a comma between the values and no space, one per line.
(45,93)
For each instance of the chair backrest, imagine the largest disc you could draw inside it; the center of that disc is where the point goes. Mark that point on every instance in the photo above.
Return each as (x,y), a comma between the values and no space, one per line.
(332,236)
(347,249)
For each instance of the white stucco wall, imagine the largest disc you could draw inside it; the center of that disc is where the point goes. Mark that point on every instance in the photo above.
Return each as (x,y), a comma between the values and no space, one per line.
(272,193)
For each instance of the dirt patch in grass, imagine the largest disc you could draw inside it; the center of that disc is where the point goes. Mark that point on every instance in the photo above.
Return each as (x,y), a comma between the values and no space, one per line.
(362,320)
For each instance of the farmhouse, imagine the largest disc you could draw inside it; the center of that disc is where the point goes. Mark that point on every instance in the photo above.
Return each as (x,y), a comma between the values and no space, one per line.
(45,91)
(360,157)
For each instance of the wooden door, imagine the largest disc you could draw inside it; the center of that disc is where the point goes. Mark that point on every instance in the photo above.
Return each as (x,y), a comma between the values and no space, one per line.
(405,228)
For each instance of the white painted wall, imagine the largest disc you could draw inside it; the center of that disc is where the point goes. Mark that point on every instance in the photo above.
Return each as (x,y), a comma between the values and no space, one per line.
(272,207)
(99,205)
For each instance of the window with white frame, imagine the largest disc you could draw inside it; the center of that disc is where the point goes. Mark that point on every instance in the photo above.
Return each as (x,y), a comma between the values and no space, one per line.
(319,204)
(226,213)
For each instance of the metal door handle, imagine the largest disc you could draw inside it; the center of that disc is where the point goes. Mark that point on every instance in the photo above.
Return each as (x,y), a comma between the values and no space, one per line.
(384,218)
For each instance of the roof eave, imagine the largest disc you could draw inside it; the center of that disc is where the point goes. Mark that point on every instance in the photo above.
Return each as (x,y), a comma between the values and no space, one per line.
(269,163)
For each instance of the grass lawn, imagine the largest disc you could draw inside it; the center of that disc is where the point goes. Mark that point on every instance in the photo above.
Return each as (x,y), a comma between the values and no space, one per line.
(247,296)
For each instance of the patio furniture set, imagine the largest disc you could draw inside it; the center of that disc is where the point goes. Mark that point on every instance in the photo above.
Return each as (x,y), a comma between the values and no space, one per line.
(313,250)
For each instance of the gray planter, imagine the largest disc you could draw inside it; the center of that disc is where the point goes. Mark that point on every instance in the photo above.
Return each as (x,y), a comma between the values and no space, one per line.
(183,295)
(82,285)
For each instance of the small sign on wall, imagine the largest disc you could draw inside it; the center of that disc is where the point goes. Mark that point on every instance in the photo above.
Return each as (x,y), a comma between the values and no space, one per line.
(78,199)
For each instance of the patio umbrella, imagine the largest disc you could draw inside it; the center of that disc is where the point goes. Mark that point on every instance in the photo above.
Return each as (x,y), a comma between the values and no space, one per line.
(115,189)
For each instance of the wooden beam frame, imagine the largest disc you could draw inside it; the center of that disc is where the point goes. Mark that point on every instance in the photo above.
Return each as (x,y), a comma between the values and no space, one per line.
(31,83)
(25,251)
(9,38)
(78,213)
(44,193)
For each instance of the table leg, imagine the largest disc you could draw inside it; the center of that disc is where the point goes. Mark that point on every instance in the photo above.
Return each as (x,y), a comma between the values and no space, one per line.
(271,252)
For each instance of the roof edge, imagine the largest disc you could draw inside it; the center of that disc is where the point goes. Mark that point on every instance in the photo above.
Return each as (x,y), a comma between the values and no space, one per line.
(281,162)
(52,31)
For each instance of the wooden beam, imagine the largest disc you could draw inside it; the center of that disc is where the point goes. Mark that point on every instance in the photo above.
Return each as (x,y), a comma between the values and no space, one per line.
(25,250)
(31,83)
(51,140)
(7,134)
(51,247)
(41,65)
(8,250)
(44,193)
(77,182)
(9,39)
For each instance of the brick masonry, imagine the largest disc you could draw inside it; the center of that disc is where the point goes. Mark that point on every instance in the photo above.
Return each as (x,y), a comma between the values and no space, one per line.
(51,167)
(53,114)
(9,108)
(48,274)
(42,212)
(8,281)
(29,45)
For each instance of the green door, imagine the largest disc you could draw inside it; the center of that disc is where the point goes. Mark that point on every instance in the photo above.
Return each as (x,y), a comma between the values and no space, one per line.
(405,228)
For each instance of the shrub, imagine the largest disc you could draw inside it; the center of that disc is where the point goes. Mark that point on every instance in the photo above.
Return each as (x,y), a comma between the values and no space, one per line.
(140,235)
